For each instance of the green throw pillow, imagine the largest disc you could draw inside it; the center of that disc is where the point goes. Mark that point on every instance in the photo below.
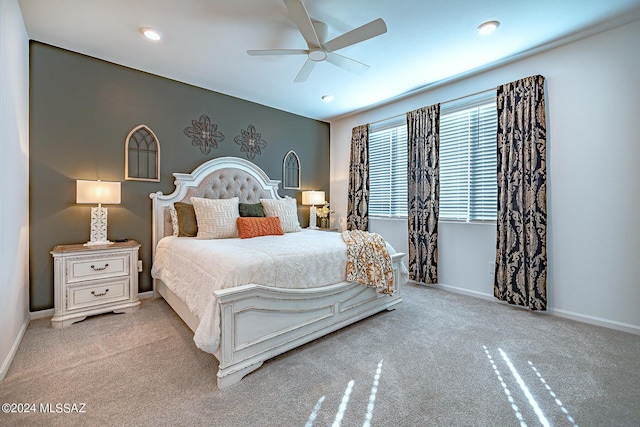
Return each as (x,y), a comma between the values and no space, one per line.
(187,224)
(251,209)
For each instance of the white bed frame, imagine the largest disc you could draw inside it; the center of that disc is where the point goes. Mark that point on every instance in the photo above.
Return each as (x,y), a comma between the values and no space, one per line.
(258,322)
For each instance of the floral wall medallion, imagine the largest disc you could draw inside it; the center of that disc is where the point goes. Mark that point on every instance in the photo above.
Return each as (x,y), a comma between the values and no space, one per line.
(250,142)
(204,134)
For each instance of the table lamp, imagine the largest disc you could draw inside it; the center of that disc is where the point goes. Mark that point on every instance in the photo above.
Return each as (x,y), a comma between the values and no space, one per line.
(312,198)
(98,192)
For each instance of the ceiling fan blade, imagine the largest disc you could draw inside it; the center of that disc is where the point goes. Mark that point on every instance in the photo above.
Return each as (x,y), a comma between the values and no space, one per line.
(347,63)
(357,35)
(262,52)
(304,72)
(302,20)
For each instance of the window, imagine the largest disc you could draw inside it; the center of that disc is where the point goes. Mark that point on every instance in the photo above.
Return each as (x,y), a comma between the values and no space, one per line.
(388,169)
(468,189)
(468,165)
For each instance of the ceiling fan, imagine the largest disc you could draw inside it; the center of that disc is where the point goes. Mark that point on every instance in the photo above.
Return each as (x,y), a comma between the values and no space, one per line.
(315,33)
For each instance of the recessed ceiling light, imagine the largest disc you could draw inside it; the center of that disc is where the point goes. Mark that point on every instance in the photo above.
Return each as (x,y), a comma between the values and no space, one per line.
(488,27)
(327,98)
(151,34)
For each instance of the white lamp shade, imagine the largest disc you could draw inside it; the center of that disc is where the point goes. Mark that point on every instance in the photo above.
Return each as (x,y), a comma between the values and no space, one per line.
(98,192)
(313,198)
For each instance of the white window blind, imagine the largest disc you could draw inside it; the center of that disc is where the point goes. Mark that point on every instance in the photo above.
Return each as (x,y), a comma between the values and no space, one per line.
(468,189)
(468,165)
(388,169)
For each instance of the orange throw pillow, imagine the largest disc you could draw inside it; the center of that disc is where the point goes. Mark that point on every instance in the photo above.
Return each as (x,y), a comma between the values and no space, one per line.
(249,227)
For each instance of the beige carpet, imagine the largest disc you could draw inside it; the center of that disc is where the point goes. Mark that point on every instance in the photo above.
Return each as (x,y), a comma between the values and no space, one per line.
(440,359)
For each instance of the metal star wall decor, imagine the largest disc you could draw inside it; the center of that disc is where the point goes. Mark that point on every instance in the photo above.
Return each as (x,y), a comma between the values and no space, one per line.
(204,134)
(250,142)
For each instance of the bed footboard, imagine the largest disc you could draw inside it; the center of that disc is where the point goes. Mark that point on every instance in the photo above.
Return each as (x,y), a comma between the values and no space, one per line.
(258,322)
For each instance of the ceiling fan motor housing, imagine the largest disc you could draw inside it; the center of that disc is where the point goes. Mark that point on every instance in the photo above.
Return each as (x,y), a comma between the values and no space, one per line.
(317,55)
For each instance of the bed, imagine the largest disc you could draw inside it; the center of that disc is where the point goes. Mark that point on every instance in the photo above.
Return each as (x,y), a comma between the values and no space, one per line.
(245,324)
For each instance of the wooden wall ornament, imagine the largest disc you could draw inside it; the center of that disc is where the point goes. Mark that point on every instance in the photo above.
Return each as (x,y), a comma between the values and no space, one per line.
(204,134)
(291,171)
(142,155)
(250,142)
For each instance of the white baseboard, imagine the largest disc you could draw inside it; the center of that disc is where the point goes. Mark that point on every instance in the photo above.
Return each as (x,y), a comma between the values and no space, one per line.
(14,348)
(41,314)
(148,294)
(584,318)
(469,292)
(598,321)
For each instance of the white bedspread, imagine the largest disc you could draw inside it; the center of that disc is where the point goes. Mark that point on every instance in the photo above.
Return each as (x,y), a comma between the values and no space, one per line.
(194,268)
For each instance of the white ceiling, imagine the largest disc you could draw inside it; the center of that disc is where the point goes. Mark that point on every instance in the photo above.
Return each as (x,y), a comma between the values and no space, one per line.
(205,42)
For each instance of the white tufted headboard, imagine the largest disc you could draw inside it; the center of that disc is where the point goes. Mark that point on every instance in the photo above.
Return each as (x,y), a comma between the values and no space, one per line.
(221,178)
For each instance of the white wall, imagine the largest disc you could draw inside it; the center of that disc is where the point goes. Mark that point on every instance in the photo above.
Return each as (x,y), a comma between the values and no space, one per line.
(593,154)
(14,183)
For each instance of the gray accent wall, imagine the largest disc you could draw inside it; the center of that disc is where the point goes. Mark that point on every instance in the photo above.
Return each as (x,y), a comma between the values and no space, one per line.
(81,110)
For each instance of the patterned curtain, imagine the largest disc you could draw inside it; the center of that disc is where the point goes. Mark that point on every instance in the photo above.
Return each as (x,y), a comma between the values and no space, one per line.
(358,197)
(521,247)
(423,139)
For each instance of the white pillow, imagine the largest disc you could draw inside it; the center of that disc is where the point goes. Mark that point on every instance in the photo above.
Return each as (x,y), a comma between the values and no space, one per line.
(285,209)
(216,218)
(174,219)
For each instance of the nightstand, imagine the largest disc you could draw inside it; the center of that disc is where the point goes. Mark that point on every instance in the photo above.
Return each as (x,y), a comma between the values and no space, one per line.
(91,280)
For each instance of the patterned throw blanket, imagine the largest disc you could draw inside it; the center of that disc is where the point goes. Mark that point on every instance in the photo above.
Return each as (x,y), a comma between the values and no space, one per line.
(368,261)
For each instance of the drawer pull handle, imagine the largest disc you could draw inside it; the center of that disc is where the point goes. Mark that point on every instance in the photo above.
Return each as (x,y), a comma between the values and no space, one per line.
(94,268)
(100,295)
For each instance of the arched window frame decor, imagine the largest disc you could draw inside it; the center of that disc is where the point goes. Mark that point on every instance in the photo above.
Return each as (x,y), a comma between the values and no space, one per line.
(291,171)
(130,175)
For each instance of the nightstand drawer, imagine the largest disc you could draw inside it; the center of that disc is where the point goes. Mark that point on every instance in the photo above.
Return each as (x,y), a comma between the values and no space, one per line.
(96,294)
(85,268)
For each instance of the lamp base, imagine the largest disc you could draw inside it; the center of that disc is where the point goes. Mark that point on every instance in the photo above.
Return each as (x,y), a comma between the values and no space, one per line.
(312,218)
(98,227)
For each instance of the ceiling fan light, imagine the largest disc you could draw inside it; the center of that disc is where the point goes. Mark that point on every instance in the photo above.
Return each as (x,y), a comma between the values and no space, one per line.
(151,34)
(488,27)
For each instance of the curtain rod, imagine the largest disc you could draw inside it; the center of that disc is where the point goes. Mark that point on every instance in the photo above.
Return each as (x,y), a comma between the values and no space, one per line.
(445,102)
